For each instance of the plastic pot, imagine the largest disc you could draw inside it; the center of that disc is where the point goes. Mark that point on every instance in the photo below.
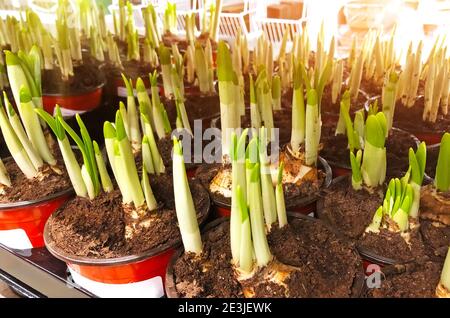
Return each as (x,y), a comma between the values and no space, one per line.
(369,257)
(22,223)
(304,206)
(170,286)
(77,103)
(133,276)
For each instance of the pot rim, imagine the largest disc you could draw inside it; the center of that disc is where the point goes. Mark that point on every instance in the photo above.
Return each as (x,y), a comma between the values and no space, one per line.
(87,92)
(115,261)
(304,200)
(170,287)
(27,203)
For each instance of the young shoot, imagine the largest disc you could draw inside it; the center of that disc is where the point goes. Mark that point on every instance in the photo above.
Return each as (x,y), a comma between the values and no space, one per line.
(132,113)
(279,197)
(229,113)
(417,163)
(396,207)
(184,204)
(373,167)
(238,181)
(166,68)
(442,179)
(158,113)
(443,289)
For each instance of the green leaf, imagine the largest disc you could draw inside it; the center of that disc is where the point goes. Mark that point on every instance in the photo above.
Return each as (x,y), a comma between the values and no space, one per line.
(120,127)
(442,179)
(109,132)
(375,130)
(128,84)
(53,123)
(224,63)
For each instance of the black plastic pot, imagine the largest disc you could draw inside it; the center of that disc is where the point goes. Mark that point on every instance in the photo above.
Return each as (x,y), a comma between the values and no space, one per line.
(304,205)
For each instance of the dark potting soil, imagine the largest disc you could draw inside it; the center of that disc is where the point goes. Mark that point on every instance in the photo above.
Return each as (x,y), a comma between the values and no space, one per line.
(47,183)
(436,237)
(410,119)
(294,194)
(347,210)
(87,77)
(306,246)
(330,108)
(132,69)
(201,107)
(96,228)
(393,246)
(414,280)
(370,87)
(335,150)
(432,159)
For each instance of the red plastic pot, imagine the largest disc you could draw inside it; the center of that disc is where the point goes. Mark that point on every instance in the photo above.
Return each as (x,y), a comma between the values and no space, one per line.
(76,103)
(429,138)
(305,206)
(139,275)
(29,217)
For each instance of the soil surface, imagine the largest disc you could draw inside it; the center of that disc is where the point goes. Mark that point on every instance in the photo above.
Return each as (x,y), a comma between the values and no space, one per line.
(87,77)
(97,228)
(305,247)
(47,183)
(416,280)
(347,210)
(393,246)
(436,237)
(370,87)
(335,150)
(410,119)
(333,109)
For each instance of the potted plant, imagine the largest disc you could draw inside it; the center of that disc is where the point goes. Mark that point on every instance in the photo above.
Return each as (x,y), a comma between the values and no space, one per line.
(147,123)
(33,180)
(302,180)
(192,76)
(129,53)
(336,143)
(116,237)
(70,78)
(431,109)
(434,215)
(251,259)
(350,202)
(422,279)
(208,29)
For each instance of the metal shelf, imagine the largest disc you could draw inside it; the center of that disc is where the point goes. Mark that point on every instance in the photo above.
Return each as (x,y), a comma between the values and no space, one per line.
(35,273)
